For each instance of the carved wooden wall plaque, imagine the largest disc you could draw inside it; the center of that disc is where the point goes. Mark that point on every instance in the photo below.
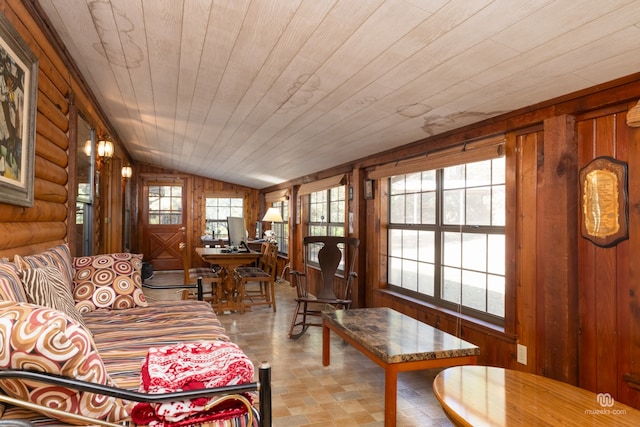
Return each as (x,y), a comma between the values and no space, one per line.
(603,198)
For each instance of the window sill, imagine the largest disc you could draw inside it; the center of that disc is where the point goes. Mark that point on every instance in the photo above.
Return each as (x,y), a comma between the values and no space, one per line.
(481,325)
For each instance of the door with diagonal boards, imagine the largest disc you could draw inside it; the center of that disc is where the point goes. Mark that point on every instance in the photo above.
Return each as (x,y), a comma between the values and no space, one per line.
(163,222)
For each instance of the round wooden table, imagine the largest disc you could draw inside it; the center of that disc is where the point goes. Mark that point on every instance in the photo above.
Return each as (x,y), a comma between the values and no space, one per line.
(489,396)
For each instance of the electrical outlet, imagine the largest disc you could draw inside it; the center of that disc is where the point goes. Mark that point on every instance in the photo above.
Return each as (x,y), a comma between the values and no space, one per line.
(522,354)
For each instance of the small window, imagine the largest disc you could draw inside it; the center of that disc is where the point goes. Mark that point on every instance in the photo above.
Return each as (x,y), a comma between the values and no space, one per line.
(165,204)
(282,228)
(327,217)
(327,212)
(217,211)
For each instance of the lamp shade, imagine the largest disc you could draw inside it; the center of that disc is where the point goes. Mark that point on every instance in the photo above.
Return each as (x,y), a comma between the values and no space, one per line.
(126,171)
(272,215)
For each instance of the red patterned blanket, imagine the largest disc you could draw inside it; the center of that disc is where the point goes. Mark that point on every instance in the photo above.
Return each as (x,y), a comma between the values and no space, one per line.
(190,366)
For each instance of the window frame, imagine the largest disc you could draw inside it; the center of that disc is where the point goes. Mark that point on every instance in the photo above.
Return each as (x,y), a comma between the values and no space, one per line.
(330,203)
(332,224)
(281,229)
(439,228)
(234,210)
(173,211)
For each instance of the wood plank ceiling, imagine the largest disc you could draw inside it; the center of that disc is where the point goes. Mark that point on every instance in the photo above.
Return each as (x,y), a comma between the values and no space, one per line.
(257,92)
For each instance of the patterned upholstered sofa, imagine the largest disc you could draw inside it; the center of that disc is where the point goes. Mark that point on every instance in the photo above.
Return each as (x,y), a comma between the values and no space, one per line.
(78,336)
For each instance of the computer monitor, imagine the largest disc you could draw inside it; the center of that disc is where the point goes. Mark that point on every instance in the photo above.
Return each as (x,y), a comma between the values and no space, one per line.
(237,230)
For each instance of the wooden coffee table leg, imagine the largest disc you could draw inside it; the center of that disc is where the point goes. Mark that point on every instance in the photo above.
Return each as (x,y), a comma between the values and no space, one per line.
(390,394)
(326,345)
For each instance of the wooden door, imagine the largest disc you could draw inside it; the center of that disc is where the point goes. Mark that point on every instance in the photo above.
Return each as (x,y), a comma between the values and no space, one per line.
(163,221)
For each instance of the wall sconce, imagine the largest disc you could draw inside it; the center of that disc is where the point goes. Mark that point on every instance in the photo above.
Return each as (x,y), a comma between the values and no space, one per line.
(126,172)
(105,149)
(633,116)
(87,147)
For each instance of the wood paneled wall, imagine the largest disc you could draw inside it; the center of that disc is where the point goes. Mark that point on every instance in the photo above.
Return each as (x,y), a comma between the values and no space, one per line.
(572,304)
(609,318)
(201,188)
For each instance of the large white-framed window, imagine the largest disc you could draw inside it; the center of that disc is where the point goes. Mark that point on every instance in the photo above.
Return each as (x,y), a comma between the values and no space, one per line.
(446,237)
(217,209)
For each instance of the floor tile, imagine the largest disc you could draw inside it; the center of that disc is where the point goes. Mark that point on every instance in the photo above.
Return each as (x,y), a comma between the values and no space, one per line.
(349,392)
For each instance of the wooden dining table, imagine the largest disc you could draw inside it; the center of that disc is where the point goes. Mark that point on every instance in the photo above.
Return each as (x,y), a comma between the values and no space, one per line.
(230,297)
(490,396)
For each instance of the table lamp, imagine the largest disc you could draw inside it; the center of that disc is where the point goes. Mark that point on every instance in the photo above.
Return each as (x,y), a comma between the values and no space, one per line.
(272,215)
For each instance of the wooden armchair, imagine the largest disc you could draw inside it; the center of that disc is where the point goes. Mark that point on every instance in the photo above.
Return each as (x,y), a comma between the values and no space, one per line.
(330,250)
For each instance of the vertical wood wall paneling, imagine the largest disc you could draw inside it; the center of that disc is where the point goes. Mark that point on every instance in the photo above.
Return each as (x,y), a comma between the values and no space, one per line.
(586,275)
(196,212)
(358,207)
(608,319)
(379,214)
(557,233)
(629,277)
(605,277)
(528,151)
(116,198)
(626,325)
(197,188)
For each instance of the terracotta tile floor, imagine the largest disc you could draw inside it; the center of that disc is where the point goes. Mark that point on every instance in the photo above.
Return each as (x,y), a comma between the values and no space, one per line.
(349,392)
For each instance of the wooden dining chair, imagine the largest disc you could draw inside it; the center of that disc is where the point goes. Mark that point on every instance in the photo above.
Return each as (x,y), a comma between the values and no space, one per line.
(257,283)
(329,251)
(191,276)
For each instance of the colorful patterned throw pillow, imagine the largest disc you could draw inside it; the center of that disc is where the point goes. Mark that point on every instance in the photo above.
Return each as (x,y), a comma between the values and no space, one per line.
(46,287)
(57,256)
(111,281)
(41,339)
(11,288)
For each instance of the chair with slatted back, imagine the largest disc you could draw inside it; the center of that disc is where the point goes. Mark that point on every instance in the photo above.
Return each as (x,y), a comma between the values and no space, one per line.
(335,257)
(257,283)
(191,276)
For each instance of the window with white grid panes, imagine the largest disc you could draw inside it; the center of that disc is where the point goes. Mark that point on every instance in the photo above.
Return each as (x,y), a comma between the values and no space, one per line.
(217,209)
(327,217)
(165,204)
(447,237)
(282,228)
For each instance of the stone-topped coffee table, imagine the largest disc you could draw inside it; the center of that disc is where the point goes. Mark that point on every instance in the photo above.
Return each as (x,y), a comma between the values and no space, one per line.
(395,342)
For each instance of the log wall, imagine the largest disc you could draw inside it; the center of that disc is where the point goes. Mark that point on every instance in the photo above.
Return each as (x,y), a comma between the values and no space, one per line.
(62,95)
(25,230)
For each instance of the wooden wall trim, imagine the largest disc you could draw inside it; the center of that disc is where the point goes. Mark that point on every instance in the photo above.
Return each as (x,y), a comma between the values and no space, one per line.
(528,159)
(557,301)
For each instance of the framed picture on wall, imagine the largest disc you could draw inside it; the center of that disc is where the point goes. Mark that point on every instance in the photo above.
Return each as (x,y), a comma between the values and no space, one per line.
(18,92)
